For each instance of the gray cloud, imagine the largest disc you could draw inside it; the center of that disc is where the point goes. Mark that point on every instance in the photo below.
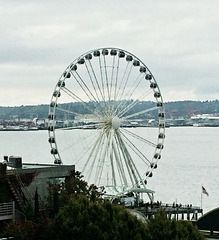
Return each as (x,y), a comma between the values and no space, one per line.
(177,40)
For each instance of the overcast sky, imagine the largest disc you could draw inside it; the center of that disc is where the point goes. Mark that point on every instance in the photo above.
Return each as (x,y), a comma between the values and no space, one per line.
(177,40)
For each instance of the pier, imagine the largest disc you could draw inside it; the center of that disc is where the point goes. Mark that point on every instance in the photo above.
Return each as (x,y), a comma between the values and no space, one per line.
(177,211)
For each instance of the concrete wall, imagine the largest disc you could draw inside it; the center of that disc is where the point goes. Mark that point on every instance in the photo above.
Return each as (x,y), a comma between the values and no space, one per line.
(44,174)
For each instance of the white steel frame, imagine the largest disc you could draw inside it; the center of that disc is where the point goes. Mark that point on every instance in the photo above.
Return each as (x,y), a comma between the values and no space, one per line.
(109,78)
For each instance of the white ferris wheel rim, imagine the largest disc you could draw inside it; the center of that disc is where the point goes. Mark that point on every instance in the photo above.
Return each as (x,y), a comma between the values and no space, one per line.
(107,93)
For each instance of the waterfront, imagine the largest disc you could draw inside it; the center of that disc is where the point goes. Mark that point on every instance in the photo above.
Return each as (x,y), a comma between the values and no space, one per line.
(189,159)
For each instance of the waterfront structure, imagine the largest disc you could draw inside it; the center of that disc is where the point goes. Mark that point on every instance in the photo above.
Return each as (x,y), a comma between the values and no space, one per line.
(24,180)
(177,211)
(202,120)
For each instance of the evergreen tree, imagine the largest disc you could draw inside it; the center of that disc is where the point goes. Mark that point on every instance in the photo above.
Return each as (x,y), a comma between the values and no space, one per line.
(81,218)
(36,206)
(160,227)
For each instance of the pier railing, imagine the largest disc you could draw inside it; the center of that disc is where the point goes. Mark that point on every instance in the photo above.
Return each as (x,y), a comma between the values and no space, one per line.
(7,211)
(177,211)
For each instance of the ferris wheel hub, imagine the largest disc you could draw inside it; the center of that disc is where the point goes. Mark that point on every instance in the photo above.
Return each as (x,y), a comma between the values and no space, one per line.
(116,122)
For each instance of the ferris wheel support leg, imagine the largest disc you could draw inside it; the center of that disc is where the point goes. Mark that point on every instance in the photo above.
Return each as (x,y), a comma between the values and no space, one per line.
(151,197)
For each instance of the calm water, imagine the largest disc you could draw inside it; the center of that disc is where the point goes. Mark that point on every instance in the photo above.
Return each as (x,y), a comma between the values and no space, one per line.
(189,159)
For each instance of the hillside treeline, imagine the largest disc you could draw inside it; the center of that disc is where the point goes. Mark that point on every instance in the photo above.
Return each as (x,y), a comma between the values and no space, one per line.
(172,109)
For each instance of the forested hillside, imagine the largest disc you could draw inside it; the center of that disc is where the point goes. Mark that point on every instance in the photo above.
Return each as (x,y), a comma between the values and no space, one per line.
(172,109)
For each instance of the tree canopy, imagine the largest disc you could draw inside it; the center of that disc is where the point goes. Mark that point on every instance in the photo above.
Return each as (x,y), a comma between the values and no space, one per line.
(80,212)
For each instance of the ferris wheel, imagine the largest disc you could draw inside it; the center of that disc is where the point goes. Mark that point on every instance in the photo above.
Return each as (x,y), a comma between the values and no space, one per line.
(106,116)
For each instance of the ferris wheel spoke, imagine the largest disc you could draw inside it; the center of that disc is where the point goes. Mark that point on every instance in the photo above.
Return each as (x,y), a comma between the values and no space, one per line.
(104,72)
(95,88)
(124,81)
(96,165)
(82,127)
(107,79)
(114,85)
(78,144)
(126,107)
(139,113)
(84,87)
(107,164)
(138,137)
(132,90)
(116,81)
(136,150)
(103,158)
(123,104)
(120,167)
(132,165)
(111,157)
(114,75)
(86,90)
(84,103)
(101,91)
(60,109)
(74,96)
(120,89)
(123,163)
(94,148)
(127,157)
(92,158)
(102,79)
